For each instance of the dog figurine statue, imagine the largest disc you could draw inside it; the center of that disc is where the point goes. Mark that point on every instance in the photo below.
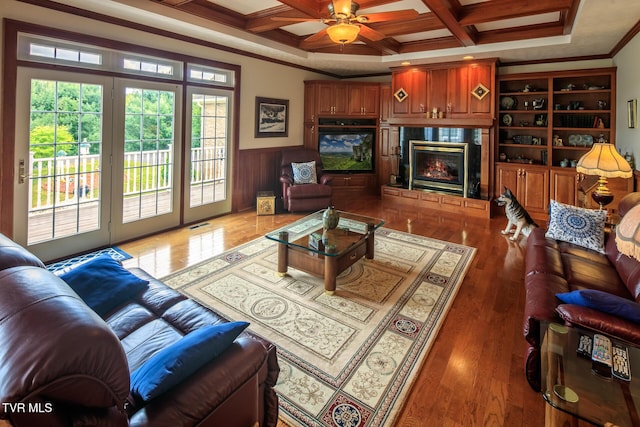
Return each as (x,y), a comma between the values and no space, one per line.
(516,215)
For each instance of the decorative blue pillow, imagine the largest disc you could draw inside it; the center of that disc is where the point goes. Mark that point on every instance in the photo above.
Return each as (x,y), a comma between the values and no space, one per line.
(171,365)
(602,301)
(103,283)
(304,173)
(582,227)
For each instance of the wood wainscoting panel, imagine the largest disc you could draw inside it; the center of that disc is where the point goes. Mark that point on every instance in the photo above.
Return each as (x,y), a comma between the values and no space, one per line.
(254,171)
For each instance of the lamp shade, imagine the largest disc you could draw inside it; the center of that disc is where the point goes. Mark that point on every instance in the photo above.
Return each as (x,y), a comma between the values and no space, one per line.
(343,32)
(604,160)
(628,233)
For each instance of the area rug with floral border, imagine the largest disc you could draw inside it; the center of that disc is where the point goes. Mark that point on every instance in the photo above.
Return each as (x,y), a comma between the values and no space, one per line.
(349,359)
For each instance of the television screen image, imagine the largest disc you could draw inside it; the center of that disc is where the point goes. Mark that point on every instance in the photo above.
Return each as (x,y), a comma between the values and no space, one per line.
(346,151)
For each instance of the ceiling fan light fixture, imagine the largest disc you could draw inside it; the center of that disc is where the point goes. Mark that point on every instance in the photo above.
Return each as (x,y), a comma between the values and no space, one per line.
(343,8)
(343,33)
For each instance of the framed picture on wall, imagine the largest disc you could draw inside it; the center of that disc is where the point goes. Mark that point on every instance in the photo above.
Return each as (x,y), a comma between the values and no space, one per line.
(272,117)
(632,112)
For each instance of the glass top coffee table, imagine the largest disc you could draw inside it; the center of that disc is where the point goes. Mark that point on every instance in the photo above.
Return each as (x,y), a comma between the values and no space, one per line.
(575,386)
(306,246)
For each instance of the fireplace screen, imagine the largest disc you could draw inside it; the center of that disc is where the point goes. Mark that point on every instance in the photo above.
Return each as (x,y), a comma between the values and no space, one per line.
(438,166)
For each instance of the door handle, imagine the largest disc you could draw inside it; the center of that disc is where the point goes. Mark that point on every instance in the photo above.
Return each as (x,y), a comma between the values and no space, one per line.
(22,175)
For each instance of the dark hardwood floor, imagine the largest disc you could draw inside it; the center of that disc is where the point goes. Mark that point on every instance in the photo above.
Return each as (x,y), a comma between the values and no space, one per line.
(473,375)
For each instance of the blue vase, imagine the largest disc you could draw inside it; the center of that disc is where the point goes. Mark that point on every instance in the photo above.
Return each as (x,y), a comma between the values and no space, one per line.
(330,218)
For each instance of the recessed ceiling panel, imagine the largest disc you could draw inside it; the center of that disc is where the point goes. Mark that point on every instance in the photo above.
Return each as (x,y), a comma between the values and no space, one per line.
(305,28)
(426,35)
(520,22)
(246,7)
(416,5)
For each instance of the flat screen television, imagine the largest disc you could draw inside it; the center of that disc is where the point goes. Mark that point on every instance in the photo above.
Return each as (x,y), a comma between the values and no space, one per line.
(346,150)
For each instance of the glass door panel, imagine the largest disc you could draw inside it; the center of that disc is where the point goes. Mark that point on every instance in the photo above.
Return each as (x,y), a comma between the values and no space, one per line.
(146,153)
(209,116)
(60,147)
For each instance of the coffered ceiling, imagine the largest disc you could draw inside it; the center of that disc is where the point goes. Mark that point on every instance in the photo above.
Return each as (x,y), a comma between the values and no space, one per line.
(427,31)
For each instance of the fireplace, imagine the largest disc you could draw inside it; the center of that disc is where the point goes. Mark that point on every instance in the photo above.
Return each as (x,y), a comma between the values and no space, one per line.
(438,166)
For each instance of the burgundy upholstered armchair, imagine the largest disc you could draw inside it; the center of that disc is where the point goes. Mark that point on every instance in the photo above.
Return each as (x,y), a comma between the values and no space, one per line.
(304,185)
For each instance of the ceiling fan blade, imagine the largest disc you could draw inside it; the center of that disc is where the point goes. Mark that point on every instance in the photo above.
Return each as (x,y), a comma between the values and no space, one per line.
(371,34)
(387,16)
(317,36)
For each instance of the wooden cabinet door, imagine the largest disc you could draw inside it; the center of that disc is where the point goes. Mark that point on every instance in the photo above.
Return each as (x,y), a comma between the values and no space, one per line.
(414,84)
(386,101)
(481,74)
(332,99)
(309,102)
(340,99)
(418,92)
(325,100)
(507,176)
(564,186)
(356,97)
(310,139)
(534,193)
(400,80)
(530,185)
(384,153)
(371,100)
(437,92)
(457,92)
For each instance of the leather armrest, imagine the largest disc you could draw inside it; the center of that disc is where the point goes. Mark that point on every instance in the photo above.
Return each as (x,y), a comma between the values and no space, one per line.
(600,322)
(326,179)
(13,255)
(286,179)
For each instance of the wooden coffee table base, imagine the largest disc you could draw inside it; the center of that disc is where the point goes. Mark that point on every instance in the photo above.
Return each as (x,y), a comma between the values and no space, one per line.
(327,267)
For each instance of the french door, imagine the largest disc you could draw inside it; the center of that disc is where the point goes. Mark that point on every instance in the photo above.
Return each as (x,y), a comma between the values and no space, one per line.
(146,158)
(96,160)
(63,146)
(206,179)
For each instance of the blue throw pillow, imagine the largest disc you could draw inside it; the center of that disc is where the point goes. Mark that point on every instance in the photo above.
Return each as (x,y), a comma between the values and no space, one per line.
(602,301)
(103,283)
(171,365)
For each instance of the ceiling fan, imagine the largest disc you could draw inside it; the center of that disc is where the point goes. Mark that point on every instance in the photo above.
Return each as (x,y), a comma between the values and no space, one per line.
(346,25)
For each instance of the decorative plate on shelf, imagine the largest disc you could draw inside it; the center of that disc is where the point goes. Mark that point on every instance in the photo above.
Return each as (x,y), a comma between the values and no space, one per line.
(507,120)
(580,140)
(508,103)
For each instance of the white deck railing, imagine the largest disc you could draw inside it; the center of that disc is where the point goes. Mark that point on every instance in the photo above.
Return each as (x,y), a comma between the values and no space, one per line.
(56,181)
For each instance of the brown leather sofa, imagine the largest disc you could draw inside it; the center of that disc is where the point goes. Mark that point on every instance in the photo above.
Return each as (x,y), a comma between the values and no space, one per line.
(63,365)
(553,267)
(304,197)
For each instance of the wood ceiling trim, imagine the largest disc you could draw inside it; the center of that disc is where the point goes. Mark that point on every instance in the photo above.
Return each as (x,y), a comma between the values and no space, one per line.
(258,23)
(569,17)
(384,46)
(432,44)
(498,10)
(311,8)
(515,34)
(212,12)
(424,22)
(173,2)
(447,11)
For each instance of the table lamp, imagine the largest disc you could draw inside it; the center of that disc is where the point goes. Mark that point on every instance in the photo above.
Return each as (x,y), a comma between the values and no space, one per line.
(604,161)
